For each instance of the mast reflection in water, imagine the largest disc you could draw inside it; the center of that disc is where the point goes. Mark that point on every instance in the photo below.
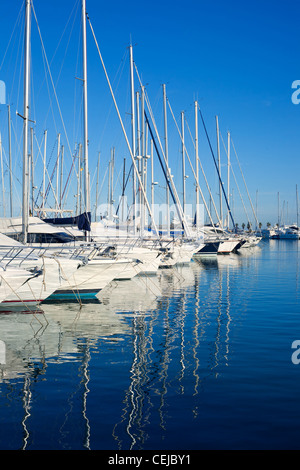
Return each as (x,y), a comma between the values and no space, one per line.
(197,357)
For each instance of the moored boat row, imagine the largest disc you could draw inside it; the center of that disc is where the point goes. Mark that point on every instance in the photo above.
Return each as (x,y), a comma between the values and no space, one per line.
(45,261)
(32,274)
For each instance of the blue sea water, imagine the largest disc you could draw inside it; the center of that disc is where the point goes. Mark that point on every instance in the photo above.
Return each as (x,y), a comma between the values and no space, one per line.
(197,357)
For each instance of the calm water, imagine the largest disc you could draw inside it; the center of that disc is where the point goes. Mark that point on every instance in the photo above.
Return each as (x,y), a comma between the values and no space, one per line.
(198,357)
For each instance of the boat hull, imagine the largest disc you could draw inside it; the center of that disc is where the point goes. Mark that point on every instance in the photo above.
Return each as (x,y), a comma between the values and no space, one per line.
(209,249)
(94,276)
(50,274)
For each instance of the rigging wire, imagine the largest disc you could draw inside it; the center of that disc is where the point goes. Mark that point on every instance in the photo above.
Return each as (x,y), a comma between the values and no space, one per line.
(202,169)
(52,83)
(236,182)
(244,182)
(197,182)
(122,125)
(62,62)
(166,169)
(12,34)
(238,188)
(56,97)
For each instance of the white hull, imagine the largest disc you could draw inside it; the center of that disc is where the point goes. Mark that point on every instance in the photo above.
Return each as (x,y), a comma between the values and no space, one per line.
(96,274)
(51,274)
(130,271)
(187,251)
(228,246)
(170,258)
(11,280)
(149,258)
(179,253)
(251,241)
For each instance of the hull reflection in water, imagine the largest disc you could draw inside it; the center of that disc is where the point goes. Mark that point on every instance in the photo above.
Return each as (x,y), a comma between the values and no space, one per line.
(152,314)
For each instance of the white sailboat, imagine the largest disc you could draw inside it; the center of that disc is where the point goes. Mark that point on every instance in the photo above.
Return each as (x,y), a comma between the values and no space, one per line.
(251,240)
(287,232)
(91,278)
(49,271)
(227,243)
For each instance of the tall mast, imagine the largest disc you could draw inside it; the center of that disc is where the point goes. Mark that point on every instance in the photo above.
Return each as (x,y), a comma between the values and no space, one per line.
(44,169)
(197,167)
(152,178)
(97,184)
(183,162)
(278,212)
(219,166)
(61,178)
(133,143)
(228,176)
(79,181)
(297,204)
(57,174)
(123,188)
(138,131)
(10,165)
(108,187)
(32,170)
(2,177)
(25,211)
(111,196)
(85,113)
(143,160)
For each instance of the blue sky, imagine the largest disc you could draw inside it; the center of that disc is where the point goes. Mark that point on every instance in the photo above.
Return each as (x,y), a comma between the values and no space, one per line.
(238,59)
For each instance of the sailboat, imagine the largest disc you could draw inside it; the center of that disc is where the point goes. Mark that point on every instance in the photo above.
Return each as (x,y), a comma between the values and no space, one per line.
(46,271)
(53,270)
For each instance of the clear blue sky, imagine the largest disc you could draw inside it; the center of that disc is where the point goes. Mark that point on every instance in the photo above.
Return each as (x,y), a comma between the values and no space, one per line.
(238,59)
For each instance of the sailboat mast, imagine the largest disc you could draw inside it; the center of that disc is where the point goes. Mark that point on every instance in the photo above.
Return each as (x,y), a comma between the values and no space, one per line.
(44,169)
(152,177)
(167,160)
(61,178)
(143,160)
(10,163)
(57,174)
(197,167)
(32,170)
(183,162)
(278,211)
(97,184)
(297,205)
(2,177)
(111,200)
(219,167)
(133,143)
(228,176)
(85,113)
(123,188)
(25,212)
